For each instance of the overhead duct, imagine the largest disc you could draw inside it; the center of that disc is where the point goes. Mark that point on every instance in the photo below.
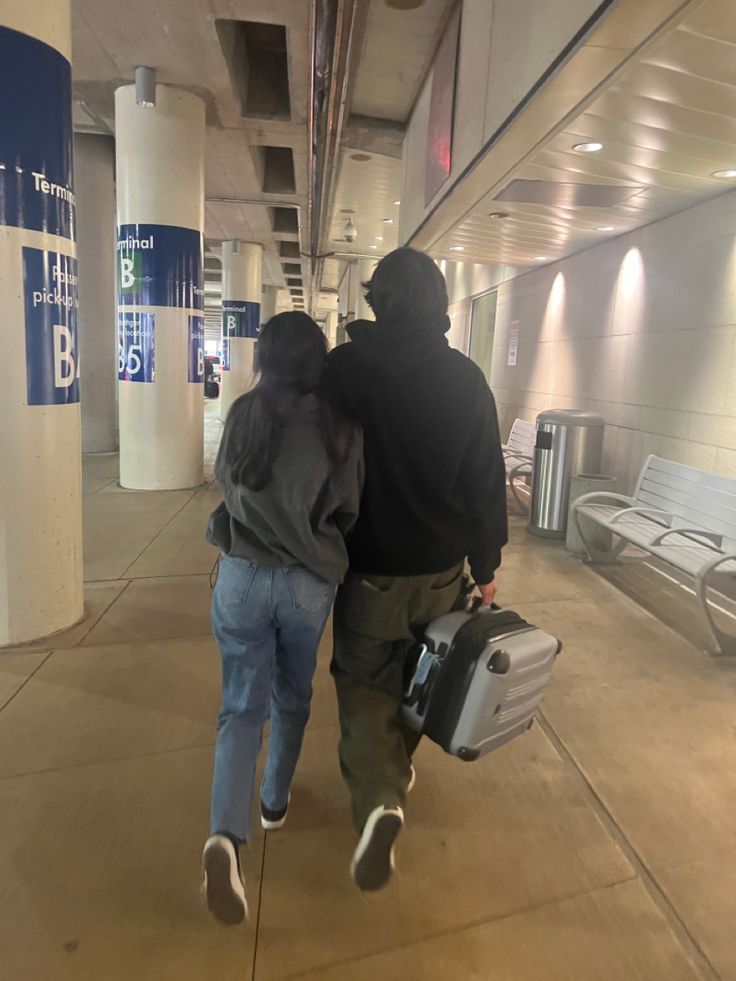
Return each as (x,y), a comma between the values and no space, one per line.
(338,27)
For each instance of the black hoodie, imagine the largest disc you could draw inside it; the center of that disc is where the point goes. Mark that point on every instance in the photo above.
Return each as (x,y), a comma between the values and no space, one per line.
(435,481)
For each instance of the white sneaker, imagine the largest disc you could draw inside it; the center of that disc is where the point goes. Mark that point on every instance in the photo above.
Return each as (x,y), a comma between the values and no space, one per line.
(224,886)
(273,820)
(373,859)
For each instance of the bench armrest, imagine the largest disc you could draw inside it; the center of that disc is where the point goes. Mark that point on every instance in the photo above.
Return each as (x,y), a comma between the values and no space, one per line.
(644,513)
(524,467)
(602,497)
(710,536)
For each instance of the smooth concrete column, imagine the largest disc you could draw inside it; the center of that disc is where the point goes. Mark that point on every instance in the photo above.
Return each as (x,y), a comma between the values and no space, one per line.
(241,318)
(365,270)
(160,194)
(94,169)
(331,327)
(269,301)
(40,458)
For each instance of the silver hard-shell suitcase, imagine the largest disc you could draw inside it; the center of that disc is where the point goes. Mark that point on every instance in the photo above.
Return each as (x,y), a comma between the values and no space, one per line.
(477,680)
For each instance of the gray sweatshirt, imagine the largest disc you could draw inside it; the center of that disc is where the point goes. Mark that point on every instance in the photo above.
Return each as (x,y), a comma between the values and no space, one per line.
(303,515)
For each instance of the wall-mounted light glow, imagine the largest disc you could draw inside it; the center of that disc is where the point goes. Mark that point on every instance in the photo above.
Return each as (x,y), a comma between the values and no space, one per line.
(725,174)
(372,246)
(605,228)
(379,238)
(397,203)
(388,221)
(592,147)
(541,258)
(457,248)
(145,87)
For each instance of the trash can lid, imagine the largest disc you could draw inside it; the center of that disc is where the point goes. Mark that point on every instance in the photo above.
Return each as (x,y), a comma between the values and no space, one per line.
(570,417)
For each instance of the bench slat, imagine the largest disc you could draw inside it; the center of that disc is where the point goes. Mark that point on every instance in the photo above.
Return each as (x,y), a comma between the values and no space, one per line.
(709,516)
(671,483)
(703,477)
(680,551)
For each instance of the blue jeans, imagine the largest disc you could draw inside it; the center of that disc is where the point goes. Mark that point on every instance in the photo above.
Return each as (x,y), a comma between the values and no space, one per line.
(268,624)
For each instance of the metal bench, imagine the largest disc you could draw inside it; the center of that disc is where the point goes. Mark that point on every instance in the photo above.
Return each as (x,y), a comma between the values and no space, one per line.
(682,516)
(518,454)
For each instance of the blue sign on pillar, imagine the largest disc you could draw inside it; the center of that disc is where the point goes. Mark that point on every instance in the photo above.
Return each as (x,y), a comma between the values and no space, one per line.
(51,295)
(136,347)
(36,125)
(225,354)
(160,266)
(196,349)
(241,318)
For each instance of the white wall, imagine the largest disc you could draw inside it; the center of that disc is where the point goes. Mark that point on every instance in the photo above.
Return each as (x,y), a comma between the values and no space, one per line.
(505,48)
(641,329)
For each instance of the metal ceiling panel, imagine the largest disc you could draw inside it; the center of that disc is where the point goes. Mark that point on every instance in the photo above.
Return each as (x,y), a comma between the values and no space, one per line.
(667,122)
(566,194)
(368,186)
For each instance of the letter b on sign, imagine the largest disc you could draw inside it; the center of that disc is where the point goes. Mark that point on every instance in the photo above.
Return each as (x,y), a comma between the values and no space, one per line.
(65,367)
(127,277)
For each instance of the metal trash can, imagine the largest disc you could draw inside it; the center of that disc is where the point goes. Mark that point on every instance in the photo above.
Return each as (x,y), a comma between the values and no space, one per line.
(569,441)
(600,537)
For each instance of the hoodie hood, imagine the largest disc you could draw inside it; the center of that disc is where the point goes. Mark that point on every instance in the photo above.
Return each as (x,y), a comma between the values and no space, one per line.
(396,344)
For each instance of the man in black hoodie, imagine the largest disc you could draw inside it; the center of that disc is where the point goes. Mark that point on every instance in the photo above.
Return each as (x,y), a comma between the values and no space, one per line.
(434,495)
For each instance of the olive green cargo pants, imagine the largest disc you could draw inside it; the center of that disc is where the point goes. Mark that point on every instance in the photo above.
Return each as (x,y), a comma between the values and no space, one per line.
(377,621)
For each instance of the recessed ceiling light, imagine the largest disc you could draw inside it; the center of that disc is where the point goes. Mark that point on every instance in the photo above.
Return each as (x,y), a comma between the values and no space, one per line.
(379,238)
(498,214)
(592,147)
(541,258)
(725,174)
(388,221)
(457,248)
(397,203)
(605,228)
(372,246)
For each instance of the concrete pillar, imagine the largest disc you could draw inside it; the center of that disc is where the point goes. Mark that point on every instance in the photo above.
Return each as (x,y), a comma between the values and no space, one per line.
(331,327)
(94,169)
(269,300)
(40,454)
(364,271)
(241,318)
(160,195)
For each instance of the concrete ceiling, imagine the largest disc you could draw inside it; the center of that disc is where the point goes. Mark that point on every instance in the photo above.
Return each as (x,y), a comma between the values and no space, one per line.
(396,53)
(397,48)
(179,38)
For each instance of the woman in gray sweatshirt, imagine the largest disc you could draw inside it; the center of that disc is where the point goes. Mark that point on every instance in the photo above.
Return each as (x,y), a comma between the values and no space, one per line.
(291,472)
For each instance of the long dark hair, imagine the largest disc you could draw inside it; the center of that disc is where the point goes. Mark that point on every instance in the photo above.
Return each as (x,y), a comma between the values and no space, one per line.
(290,355)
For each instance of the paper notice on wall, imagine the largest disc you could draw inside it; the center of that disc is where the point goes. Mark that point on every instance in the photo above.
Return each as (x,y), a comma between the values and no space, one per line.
(513,349)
